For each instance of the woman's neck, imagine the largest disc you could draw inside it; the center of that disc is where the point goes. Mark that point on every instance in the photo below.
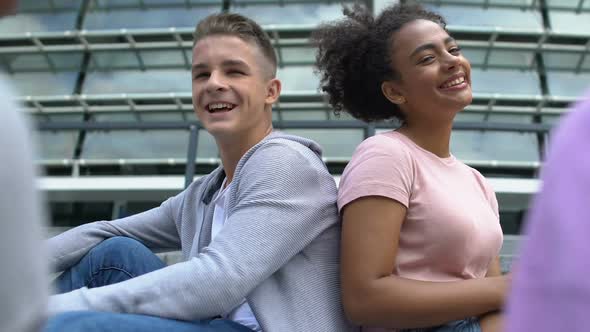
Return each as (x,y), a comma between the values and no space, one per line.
(433,138)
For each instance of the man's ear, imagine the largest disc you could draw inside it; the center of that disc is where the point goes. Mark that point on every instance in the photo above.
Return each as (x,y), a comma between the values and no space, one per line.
(392,93)
(273,90)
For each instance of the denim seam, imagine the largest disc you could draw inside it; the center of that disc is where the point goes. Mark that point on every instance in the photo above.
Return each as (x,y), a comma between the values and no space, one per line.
(94,274)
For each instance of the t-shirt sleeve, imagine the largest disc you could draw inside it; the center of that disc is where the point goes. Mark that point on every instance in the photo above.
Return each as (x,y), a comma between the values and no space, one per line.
(488,191)
(491,195)
(380,166)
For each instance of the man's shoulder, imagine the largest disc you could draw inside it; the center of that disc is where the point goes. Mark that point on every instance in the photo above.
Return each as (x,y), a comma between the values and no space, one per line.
(279,159)
(284,148)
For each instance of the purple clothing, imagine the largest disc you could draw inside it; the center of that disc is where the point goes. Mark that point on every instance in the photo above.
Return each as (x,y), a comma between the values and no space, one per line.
(551,284)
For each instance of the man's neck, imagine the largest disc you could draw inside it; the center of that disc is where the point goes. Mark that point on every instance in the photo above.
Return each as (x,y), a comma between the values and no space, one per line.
(233,149)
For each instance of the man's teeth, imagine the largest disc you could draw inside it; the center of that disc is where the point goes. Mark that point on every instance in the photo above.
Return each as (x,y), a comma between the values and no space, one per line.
(218,106)
(454,82)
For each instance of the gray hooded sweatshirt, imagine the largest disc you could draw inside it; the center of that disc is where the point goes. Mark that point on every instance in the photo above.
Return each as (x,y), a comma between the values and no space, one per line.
(279,247)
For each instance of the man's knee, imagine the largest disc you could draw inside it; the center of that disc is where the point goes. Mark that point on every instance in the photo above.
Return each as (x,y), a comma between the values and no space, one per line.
(118,246)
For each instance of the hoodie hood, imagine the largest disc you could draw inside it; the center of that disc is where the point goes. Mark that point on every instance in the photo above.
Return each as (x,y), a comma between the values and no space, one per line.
(215,178)
(310,144)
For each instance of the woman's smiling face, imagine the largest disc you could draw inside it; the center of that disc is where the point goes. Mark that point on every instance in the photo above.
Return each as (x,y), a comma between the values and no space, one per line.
(434,78)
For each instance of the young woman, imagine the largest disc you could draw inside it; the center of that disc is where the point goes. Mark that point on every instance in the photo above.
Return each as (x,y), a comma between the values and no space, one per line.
(421,232)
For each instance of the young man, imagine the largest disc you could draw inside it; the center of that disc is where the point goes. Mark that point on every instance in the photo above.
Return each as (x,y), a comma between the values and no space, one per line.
(259,235)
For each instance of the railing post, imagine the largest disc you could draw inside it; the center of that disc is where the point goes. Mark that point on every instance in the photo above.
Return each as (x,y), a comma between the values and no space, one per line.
(189,172)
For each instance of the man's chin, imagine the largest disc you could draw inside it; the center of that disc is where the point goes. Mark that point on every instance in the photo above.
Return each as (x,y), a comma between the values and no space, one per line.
(222,132)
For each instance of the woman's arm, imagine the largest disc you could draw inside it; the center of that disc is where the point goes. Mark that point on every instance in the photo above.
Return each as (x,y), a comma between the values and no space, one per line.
(492,321)
(373,296)
(495,269)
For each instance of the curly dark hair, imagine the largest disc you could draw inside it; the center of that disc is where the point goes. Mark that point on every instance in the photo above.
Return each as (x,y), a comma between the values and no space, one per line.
(353,58)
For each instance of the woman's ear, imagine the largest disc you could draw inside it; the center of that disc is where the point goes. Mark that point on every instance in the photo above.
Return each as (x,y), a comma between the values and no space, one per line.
(392,93)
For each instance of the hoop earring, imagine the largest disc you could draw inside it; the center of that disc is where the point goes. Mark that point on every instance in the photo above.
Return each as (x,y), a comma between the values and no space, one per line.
(400,100)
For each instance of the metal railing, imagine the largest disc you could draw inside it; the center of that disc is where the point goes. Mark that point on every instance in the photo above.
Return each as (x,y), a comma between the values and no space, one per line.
(193,128)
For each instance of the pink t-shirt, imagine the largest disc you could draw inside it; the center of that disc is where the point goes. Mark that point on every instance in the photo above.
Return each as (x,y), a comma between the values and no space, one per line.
(452,229)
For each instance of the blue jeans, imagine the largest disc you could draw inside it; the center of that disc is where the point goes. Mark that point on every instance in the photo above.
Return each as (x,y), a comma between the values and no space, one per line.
(464,325)
(114,260)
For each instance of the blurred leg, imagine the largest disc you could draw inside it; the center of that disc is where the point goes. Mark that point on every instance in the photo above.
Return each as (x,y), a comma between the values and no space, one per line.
(92,321)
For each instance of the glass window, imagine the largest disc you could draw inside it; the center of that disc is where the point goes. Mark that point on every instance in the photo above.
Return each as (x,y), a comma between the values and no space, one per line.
(117,4)
(55,5)
(567,84)
(136,81)
(570,22)
(508,58)
(515,3)
(165,58)
(128,59)
(145,144)
(563,60)
(298,55)
(131,144)
(38,62)
(105,60)
(476,56)
(570,4)
(337,144)
(505,81)
(529,19)
(510,118)
(37,16)
(475,145)
(499,58)
(148,116)
(301,115)
(38,22)
(298,78)
(101,18)
(298,13)
(167,116)
(551,119)
(41,83)
(58,145)
(467,116)
(494,117)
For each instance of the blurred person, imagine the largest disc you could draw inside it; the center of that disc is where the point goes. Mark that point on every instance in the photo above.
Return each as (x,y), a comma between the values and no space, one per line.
(421,234)
(551,287)
(23,278)
(259,235)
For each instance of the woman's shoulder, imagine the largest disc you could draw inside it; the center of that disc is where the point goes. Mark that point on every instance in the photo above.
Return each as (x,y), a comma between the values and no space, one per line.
(386,143)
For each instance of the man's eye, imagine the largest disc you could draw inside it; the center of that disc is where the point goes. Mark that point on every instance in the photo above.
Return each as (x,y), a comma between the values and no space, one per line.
(455,50)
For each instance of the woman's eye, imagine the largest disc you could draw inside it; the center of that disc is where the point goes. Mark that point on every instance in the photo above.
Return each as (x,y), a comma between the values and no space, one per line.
(426,59)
